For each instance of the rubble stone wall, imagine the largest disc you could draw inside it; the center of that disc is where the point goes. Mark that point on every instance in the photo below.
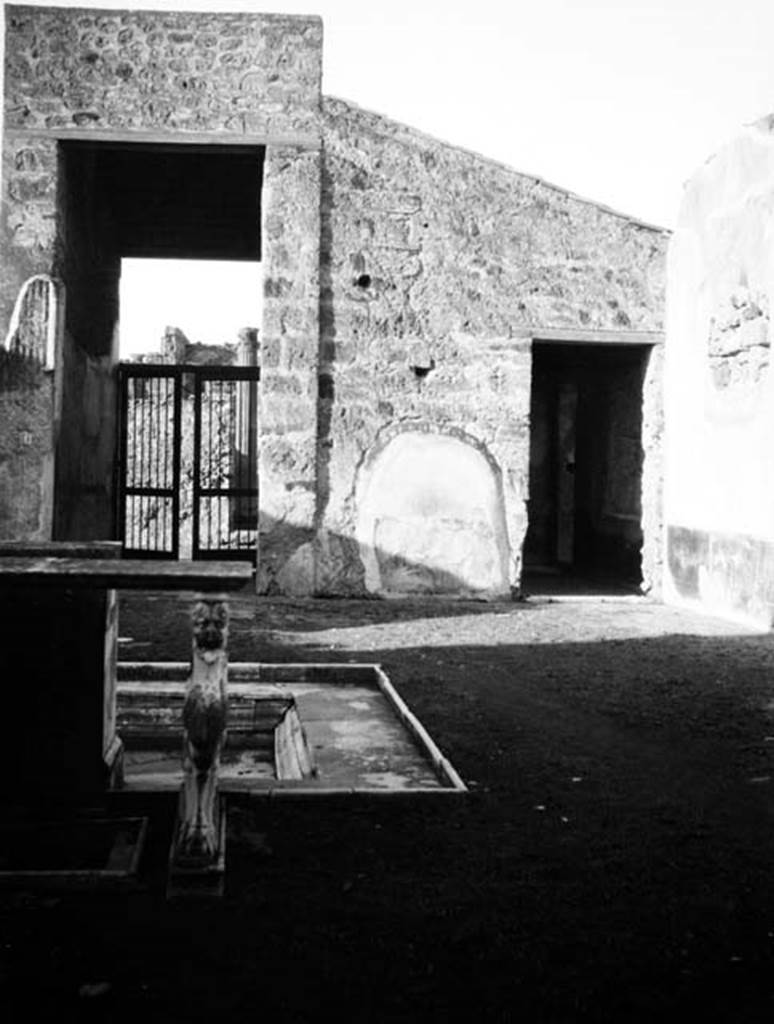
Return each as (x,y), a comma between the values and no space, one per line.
(435,264)
(213,71)
(287,414)
(403,278)
(147,77)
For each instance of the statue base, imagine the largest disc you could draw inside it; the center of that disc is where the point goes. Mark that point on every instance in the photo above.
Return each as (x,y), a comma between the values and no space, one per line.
(193,876)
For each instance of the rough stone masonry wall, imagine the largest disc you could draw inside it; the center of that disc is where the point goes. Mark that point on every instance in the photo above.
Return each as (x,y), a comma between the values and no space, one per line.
(432,258)
(435,256)
(287,414)
(165,76)
(176,70)
(135,72)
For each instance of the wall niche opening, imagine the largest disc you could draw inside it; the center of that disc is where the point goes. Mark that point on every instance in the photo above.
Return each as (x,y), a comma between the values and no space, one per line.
(431,520)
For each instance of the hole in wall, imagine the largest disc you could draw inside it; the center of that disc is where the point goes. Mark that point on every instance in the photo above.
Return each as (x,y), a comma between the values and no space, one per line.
(420,372)
(363,281)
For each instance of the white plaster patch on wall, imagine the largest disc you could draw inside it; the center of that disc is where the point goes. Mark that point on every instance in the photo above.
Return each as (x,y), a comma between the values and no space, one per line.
(430,519)
(739,342)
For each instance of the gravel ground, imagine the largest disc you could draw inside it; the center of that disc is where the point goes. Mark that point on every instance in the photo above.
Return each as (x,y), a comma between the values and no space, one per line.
(611,862)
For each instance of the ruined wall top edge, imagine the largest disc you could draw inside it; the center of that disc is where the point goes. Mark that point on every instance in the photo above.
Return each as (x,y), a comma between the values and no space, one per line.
(231,72)
(338,111)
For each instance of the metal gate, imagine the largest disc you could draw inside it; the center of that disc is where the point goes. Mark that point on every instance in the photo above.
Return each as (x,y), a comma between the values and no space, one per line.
(188,461)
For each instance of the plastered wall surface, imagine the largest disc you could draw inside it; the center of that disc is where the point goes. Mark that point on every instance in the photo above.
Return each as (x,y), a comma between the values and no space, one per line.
(719,391)
(431,518)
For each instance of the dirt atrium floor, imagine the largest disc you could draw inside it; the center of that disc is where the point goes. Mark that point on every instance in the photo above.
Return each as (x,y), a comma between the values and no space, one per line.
(613,860)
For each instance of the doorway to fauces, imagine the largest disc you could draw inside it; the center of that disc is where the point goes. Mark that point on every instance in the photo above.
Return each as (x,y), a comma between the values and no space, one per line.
(123,201)
(586,458)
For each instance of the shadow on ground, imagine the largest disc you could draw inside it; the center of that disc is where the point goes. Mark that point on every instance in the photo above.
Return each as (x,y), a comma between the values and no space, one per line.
(612,861)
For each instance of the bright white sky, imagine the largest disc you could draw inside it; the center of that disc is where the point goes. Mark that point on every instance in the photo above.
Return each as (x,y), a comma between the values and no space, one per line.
(617,100)
(208,300)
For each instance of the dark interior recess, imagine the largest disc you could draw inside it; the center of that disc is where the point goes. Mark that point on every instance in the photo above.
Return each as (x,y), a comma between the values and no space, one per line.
(201,202)
(144,201)
(585,506)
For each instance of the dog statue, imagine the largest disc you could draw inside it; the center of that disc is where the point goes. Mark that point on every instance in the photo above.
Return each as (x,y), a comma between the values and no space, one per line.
(204,731)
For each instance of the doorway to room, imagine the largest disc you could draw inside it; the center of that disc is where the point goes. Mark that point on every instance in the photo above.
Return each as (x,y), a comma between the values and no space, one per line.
(586,459)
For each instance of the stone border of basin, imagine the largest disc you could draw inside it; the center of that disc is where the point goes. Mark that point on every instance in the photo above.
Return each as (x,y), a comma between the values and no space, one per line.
(121,862)
(318,672)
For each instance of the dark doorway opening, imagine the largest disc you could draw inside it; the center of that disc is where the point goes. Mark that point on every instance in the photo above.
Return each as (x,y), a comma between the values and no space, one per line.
(586,456)
(146,201)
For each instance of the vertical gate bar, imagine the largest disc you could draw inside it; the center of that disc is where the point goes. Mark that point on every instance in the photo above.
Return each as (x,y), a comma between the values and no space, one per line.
(135,430)
(161,500)
(154,450)
(150,501)
(168,456)
(209,455)
(243,502)
(142,533)
(123,407)
(165,465)
(240,441)
(156,447)
(233,456)
(252,459)
(133,503)
(171,451)
(244,445)
(135,474)
(177,388)
(218,441)
(197,456)
(209,463)
(223,538)
(149,467)
(141,449)
(159,462)
(163,430)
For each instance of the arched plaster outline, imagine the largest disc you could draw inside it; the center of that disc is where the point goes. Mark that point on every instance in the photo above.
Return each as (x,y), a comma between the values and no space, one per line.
(364,478)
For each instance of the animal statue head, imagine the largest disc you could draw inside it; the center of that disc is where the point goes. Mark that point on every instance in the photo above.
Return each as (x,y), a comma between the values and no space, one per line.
(210,626)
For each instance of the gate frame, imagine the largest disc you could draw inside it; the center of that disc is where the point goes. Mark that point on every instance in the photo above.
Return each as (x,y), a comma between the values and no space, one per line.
(121,490)
(177,372)
(201,374)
